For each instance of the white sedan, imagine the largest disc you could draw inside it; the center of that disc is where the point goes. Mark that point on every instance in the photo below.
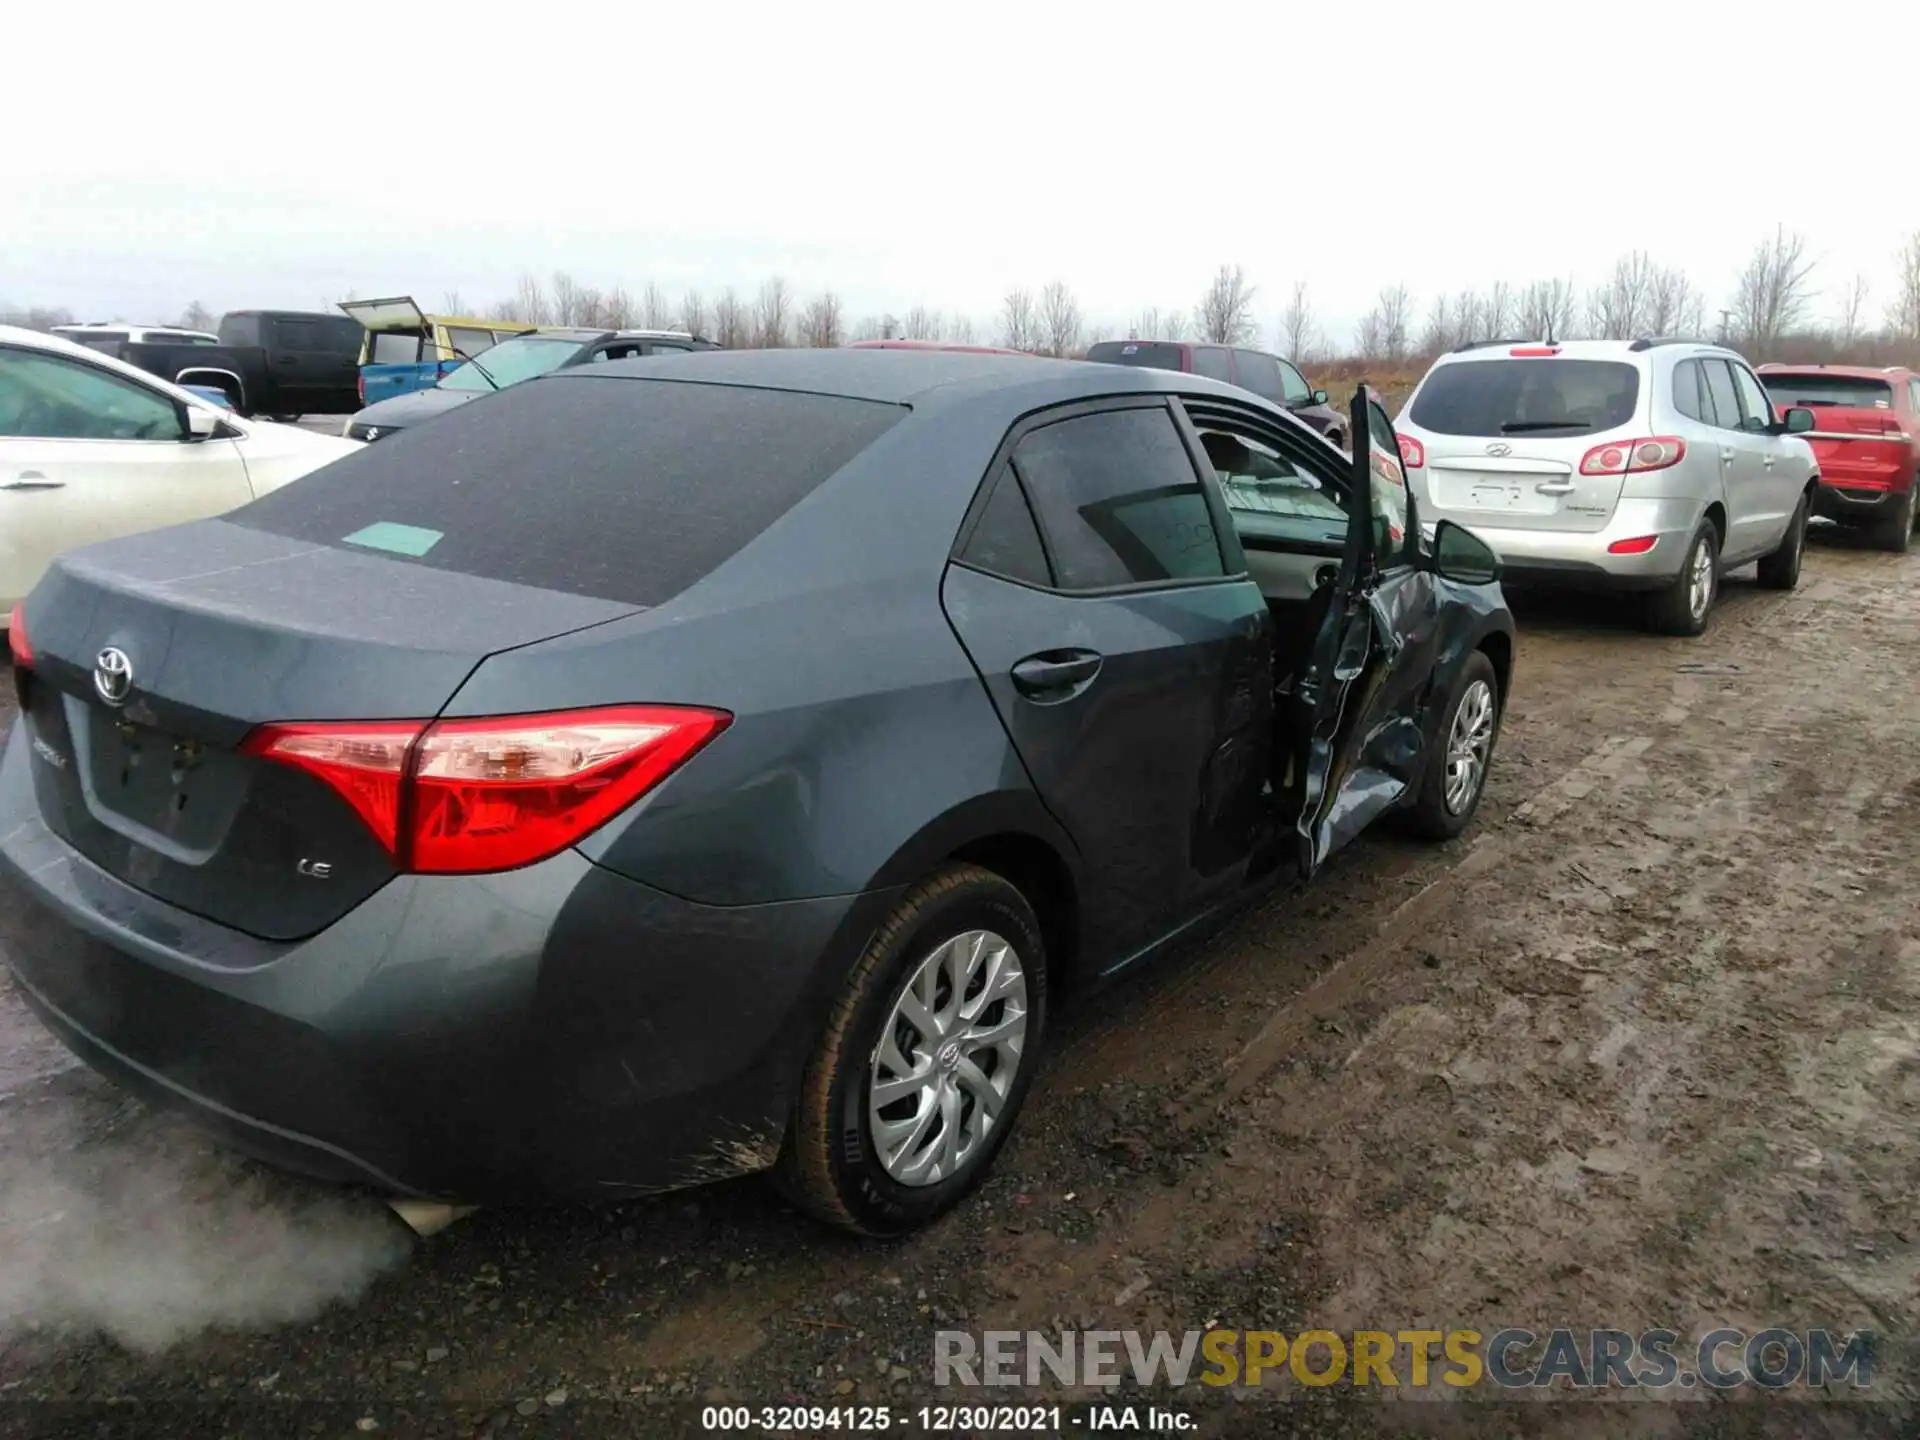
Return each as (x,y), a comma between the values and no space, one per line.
(92,448)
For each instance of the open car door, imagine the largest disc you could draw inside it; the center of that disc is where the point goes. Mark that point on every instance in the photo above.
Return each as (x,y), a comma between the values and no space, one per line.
(1367,683)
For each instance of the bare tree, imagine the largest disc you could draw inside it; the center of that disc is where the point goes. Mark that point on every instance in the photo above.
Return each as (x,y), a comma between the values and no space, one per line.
(1225,312)
(1497,311)
(1019,321)
(821,321)
(1853,308)
(732,325)
(198,317)
(1299,330)
(617,309)
(1436,335)
(921,324)
(960,330)
(529,303)
(1470,318)
(1903,311)
(694,317)
(1545,309)
(654,312)
(1153,323)
(38,317)
(569,299)
(1772,293)
(1617,309)
(771,315)
(1392,315)
(1674,306)
(1060,319)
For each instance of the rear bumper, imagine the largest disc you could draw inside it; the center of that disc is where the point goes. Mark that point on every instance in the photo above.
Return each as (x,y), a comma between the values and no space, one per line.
(1581,560)
(1837,499)
(558,1031)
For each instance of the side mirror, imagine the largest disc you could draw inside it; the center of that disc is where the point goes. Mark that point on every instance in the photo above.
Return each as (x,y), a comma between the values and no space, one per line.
(1319,397)
(1459,554)
(1798,420)
(202,424)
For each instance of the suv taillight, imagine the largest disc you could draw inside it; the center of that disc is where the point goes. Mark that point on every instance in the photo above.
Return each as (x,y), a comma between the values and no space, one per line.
(1413,454)
(360,387)
(459,797)
(1632,457)
(17,643)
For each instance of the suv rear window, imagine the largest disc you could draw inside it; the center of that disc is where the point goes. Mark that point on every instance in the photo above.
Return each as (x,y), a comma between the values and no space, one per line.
(1157,354)
(1848,391)
(626,490)
(1527,397)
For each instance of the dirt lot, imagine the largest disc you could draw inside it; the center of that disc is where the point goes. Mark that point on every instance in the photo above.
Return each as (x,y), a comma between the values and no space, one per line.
(1643,1049)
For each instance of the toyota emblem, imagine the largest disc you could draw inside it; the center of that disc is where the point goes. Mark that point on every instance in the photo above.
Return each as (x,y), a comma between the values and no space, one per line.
(113,676)
(1499,447)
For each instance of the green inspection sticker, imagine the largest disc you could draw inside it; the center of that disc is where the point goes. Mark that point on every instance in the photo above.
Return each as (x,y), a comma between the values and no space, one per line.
(400,539)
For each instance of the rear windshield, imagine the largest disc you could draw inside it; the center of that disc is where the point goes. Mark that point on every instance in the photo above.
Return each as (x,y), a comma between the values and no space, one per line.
(1155,354)
(395,347)
(512,361)
(1527,397)
(1848,391)
(626,490)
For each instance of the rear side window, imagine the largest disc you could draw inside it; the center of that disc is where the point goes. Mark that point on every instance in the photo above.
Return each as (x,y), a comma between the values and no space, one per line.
(627,490)
(1258,373)
(1006,541)
(1154,353)
(1522,397)
(1212,361)
(1723,401)
(1119,501)
(1848,392)
(1686,391)
(296,334)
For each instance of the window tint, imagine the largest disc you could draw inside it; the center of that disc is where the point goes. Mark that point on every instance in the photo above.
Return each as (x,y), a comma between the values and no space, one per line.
(628,490)
(1759,413)
(296,334)
(512,361)
(394,348)
(1515,397)
(1006,541)
(1119,499)
(468,343)
(1686,391)
(1260,481)
(1258,373)
(1847,391)
(49,397)
(175,337)
(1724,399)
(1293,385)
(1211,361)
(1154,353)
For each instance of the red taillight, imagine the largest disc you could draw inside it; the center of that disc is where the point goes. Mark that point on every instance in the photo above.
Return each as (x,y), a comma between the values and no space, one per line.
(1413,454)
(1639,545)
(360,387)
(464,796)
(1632,457)
(17,642)
(1534,351)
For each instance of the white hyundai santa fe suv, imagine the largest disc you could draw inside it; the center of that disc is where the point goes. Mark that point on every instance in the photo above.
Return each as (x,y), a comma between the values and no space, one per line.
(1649,466)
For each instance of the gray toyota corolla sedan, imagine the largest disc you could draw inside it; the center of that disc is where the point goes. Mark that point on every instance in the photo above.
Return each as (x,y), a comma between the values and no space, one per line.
(675,768)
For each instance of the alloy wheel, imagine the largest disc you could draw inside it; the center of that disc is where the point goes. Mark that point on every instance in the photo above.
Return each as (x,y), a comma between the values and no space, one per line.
(947,1058)
(1468,745)
(1700,580)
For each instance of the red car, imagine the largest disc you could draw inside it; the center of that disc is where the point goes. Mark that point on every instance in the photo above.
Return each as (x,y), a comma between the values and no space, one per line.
(1866,442)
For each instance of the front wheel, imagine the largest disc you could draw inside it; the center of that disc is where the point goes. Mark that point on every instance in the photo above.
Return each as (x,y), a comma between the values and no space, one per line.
(926,1059)
(1457,777)
(1781,569)
(1685,606)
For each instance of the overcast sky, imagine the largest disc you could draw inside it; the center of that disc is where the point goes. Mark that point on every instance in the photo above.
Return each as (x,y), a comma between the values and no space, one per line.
(905,153)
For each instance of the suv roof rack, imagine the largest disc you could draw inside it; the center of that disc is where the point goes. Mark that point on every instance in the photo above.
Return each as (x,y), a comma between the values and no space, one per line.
(1483,344)
(1648,342)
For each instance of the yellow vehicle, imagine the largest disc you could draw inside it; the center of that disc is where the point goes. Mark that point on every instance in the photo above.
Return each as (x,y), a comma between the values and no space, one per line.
(405,349)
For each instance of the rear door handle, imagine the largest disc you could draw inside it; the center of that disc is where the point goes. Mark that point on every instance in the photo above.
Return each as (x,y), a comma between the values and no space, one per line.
(1052,672)
(1726,455)
(32,480)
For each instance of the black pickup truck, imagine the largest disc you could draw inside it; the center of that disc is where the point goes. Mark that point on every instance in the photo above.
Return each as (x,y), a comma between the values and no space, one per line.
(278,363)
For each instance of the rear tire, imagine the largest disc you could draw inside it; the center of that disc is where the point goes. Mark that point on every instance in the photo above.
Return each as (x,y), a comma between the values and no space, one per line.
(831,1165)
(1456,778)
(1781,569)
(1682,608)
(1895,533)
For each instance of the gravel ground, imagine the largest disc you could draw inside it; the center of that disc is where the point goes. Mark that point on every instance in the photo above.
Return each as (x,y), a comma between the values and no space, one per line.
(1643,1048)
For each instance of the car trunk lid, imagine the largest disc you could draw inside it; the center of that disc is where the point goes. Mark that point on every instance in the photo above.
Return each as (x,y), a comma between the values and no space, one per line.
(156,656)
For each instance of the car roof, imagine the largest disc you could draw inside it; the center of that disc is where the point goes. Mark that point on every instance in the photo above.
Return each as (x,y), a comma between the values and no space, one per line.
(1850,372)
(59,345)
(908,377)
(953,346)
(1626,351)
